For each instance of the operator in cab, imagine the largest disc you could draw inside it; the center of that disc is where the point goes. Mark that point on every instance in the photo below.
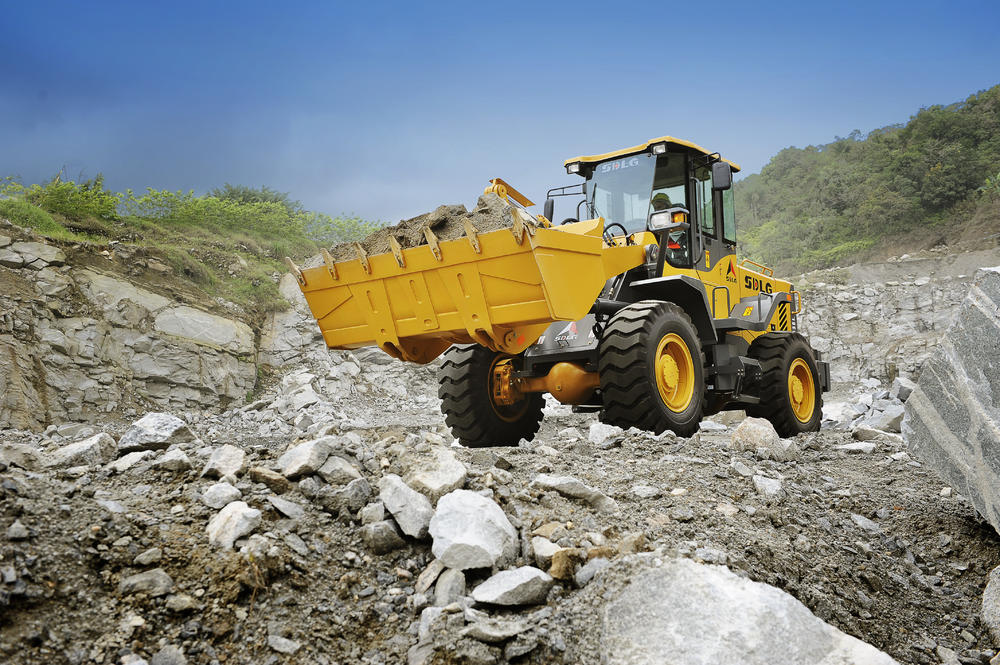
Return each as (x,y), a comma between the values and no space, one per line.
(677,241)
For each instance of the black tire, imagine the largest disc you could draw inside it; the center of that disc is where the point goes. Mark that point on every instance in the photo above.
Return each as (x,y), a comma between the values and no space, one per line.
(627,361)
(467,401)
(776,353)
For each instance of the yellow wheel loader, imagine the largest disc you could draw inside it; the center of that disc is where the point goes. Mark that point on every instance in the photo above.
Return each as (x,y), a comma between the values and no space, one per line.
(636,307)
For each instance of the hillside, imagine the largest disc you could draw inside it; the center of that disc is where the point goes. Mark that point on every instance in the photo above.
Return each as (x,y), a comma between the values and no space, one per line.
(933,181)
(224,248)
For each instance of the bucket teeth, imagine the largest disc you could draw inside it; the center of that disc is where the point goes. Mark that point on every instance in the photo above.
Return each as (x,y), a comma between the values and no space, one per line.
(363,257)
(330,265)
(397,251)
(432,242)
(294,269)
(473,234)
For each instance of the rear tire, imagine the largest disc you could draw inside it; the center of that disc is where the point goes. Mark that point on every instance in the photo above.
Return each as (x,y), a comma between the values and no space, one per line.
(790,394)
(652,369)
(467,401)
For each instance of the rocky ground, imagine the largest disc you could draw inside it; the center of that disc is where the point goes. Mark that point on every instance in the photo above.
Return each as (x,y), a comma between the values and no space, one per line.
(302,528)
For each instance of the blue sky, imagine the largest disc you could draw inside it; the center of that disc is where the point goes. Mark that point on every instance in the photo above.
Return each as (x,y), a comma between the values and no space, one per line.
(388,109)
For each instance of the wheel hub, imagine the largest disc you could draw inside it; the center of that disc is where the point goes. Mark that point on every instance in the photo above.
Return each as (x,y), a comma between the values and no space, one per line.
(674,372)
(669,372)
(801,390)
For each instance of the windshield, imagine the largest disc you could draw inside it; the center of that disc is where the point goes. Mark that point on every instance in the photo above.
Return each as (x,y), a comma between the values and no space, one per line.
(626,190)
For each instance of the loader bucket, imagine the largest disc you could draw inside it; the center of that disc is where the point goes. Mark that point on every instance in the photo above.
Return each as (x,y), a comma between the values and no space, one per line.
(500,289)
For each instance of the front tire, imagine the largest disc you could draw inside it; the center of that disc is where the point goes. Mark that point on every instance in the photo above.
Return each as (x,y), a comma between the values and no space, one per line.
(465,389)
(652,369)
(790,394)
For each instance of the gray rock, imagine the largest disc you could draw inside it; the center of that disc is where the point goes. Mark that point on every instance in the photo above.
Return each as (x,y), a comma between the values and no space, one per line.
(570,487)
(155,431)
(226,460)
(20,455)
(338,471)
(153,582)
(17,531)
(126,462)
(471,531)
(686,613)
(193,325)
(865,523)
(769,487)
(435,473)
(495,630)
(97,449)
(990,610)
(858,447)
(756,433)
(601,433)
(411,509)
(181,602)
(526,585)
(382,537)
(901,388)
(220,495)
(37,255)
(289,509)
(4,240)
(173,460)
(274,481)
(428,576)
(589,570)
(449,588)
(886,420)
(150,556)
(373,512)
(543,549)
(169,655)
(282,644)
(10,259)
(231,523)
(952,418)
(304,459)
(351,498)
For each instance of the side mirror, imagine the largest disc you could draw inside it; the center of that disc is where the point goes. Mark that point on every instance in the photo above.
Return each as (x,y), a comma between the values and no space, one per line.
(549,209)
(722,176)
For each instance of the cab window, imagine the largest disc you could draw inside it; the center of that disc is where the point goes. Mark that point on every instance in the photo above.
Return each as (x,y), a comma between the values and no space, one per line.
(703,205)
(728,216)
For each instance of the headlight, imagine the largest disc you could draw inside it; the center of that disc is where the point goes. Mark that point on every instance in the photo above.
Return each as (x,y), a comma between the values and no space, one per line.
(573,168)
(665,219)
(659,148)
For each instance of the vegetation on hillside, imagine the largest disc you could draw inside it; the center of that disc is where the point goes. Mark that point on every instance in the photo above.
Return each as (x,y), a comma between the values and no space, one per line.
(229,243)
(842,202)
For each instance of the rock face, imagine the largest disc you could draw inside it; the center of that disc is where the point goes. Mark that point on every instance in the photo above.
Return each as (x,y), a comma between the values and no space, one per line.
(78,344)
(471,531)
(688,613)
(883,320)
(952,417)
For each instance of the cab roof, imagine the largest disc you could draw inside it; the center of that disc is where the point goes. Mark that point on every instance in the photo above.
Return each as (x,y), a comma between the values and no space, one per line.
(669,140)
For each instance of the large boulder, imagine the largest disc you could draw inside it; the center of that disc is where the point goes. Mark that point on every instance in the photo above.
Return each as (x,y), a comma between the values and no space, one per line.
(98,449)
(686,613)
(471,531)
(952,419)
(155,431)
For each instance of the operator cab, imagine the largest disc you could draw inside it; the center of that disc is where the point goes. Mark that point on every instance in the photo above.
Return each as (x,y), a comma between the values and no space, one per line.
(676,190)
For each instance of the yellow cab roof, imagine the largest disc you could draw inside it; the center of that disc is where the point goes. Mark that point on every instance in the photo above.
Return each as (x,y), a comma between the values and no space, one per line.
(670,140)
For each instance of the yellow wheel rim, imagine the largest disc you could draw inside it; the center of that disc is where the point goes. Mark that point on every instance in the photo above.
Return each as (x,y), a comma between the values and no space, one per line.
(801,390)
(674,370)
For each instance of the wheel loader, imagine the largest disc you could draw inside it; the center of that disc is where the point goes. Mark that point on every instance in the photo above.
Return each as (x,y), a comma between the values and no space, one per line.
(635,307)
